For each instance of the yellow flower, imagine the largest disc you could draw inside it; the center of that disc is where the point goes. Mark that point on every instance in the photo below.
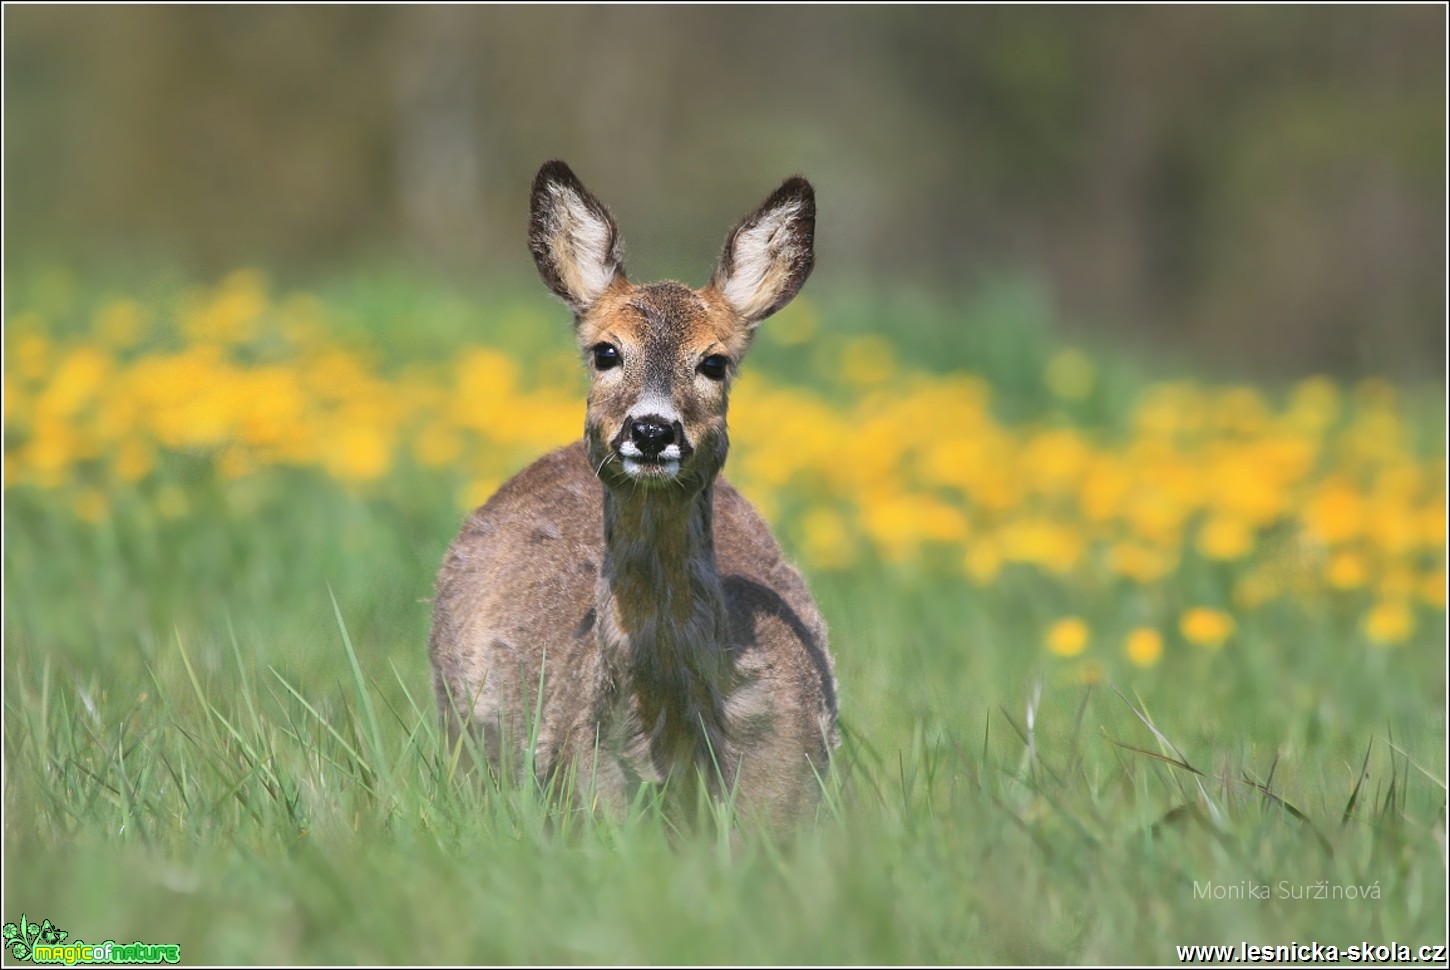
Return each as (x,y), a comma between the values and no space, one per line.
(1432,588)
(236,462)
(1043,543)
(357,454)
(1396,583)
(1392,526)
(1246,483)
(1053,461)
(1256,587)
(1157,517)
(896,524)
(1140,563)
(1336,513)
(938,521)
(1389,622)
(1206,627)
(437,446)
(1432,525)
(1347,570)
(1225,537)
(1314,403)
(1104,488)
(476,493)
(77,381)
(1144,646)
(1240,410)
(232,312)
(983,561)
(52,448)
(1068,637)
(133,460)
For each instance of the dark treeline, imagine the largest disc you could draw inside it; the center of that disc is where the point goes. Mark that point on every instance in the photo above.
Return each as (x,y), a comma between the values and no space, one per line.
(1261,185)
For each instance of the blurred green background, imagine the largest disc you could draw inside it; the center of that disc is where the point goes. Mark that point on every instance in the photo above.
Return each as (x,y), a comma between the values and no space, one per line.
(1258,187)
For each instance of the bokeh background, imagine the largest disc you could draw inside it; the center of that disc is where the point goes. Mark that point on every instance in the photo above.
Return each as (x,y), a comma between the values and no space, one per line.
(1254,186)
(1109,433)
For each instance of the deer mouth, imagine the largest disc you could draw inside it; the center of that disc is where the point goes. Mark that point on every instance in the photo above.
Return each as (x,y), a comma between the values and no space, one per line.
(643,465)
(650,467)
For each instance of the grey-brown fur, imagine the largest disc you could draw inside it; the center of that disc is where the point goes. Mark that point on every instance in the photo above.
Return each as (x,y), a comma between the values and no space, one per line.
(675,643)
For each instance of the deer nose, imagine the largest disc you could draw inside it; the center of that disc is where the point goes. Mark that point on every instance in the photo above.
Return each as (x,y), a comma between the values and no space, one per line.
(651,434)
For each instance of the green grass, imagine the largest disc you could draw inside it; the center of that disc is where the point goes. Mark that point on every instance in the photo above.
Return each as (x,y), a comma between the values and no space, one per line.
(219,732)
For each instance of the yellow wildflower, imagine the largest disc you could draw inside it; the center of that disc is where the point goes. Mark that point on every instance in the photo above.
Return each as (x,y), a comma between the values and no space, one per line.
(1432,588)
(1206,627)
(77,381)
(1139,562)
(1315,403)
(983,561)
(1144,646)
(230,313)
(357,453)
(1256,587)
(236,462)
(1336,513)
(1053,547)
(1068,637)
(477,492)
(1389,622)
(1347,570)
(438,445)
(1225,537)
(133,460)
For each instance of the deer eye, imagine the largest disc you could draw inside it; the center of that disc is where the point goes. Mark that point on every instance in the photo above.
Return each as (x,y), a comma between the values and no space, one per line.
(714,366)
(605,356)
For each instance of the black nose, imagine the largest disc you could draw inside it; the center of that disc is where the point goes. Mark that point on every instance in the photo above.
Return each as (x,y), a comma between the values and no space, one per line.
(651,435)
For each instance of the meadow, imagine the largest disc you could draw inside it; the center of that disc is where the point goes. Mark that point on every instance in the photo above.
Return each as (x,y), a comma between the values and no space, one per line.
(1131,655)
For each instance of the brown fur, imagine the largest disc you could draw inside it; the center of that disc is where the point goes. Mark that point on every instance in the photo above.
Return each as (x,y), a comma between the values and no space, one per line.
(672,641)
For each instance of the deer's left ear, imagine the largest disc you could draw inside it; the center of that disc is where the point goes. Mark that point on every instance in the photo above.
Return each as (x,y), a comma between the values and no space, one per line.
(769,255)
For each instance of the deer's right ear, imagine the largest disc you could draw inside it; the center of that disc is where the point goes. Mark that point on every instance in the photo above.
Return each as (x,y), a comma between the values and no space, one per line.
(769,255)
(573,237)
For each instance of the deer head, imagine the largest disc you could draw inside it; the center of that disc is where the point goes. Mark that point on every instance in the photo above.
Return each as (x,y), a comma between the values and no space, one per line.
(662,355)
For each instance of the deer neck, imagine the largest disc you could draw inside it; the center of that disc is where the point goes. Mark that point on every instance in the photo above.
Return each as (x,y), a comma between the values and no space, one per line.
(662,620)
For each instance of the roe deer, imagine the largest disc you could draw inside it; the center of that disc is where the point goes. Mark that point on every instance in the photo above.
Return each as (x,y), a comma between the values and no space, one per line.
(617,604)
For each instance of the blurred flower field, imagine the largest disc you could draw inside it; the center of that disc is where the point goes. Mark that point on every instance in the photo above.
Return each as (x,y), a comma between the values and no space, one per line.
(1211,501)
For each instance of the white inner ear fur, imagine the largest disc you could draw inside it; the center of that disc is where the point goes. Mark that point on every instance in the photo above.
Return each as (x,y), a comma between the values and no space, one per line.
(761,261)
(580,244)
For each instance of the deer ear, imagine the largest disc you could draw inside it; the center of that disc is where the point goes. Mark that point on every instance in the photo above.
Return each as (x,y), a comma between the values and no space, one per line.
(769,255)
(573,237)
